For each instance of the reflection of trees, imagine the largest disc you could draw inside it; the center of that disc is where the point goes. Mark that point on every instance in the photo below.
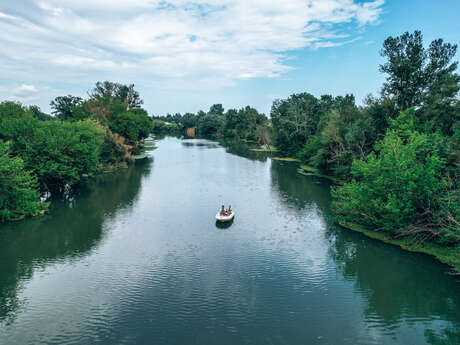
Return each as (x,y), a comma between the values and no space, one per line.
(71,229)
(447,336)
(199,143)
(298,190)
(242,149)
(395,284)
(232,146)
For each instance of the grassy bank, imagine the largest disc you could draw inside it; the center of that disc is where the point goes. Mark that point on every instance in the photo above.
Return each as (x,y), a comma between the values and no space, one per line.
(447,255)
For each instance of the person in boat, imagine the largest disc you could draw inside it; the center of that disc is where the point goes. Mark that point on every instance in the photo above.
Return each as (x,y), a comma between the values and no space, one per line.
(222,211)
(229,212)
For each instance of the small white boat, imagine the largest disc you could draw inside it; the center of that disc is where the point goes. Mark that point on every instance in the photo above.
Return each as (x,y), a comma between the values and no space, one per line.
(225,218)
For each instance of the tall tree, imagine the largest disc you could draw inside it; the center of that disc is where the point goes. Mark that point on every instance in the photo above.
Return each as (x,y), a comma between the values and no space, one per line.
(111,92)
(415,74)
(216,109)
(63,106)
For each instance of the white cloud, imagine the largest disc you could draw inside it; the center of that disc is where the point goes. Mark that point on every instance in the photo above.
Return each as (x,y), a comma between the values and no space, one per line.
(25,91)
(203,43)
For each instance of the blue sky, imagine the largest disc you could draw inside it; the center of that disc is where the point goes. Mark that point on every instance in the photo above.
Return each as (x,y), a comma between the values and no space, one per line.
(186,55)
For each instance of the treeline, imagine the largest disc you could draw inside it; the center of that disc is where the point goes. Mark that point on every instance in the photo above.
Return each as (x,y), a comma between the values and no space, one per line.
(398,154)
(243,124)
(42,154)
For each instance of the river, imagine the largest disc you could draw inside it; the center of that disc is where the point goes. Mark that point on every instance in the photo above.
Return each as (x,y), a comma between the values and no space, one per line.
(136,257)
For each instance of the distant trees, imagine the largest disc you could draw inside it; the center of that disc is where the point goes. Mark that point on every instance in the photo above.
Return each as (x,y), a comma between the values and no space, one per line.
(244,123)
(326,132)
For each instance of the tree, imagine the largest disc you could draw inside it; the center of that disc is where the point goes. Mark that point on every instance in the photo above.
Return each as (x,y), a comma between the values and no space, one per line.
(401,189)
(134,125)
(216,109)
(12,110)
(264,135)
(59,154)
(406,58)
(109,92)
(63,106)
(417,76)
(295,119)
(38,114)
(380,111)
(189,120)
(19,195)
(210,124)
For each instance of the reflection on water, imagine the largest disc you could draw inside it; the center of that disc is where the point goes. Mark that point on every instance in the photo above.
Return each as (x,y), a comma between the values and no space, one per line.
(137,257)
(243,149)
(69,231)
(199,143)
(401,289)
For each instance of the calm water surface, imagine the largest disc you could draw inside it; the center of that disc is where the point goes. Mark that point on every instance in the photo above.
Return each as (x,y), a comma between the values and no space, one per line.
(137,258)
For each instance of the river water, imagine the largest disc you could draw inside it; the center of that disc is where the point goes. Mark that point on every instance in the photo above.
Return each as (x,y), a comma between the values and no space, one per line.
(136,257)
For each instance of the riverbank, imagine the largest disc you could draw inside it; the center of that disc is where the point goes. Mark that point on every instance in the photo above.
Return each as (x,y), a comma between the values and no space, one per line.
(447,255)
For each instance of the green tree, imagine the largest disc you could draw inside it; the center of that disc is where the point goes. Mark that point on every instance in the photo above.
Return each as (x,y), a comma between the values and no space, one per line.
(189,120)
(295,119)
(38,114)
(19,195)
(210,124)
(63,106)
(134,125)
(59,154)
(108,92)
(216,109)
(12,110)
(419,76)
(402,189)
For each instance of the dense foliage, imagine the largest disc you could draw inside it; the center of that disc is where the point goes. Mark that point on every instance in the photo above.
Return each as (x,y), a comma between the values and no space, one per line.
(244,124)
(19,196)
(399,154)
(403,188)
(51,154)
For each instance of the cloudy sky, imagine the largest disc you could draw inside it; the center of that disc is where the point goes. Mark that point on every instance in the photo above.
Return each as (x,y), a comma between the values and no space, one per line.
(186,55)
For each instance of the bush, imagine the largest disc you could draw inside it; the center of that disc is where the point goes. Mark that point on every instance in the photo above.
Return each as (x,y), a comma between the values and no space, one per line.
(402,189)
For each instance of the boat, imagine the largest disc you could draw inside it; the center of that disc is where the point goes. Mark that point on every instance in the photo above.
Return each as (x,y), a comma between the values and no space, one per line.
(225,218)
